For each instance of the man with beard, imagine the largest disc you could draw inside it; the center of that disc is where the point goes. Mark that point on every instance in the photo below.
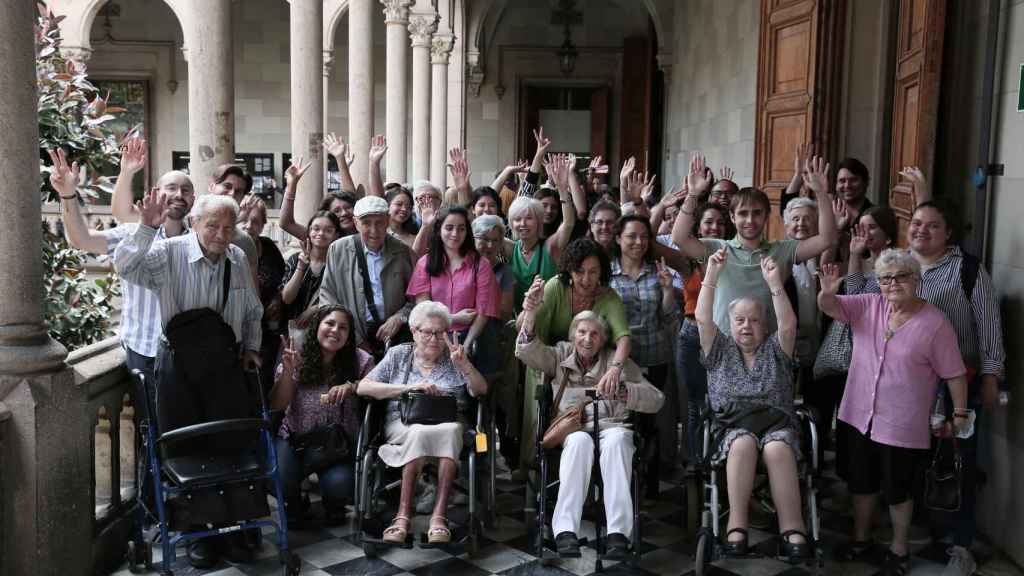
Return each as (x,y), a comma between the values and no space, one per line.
(741,276)
(140,310)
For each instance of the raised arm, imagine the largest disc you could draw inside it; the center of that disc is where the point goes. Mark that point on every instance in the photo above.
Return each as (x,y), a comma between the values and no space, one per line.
(783,308)
(830,278)
(503,176)
(816,178)
(136,259)
(797,182)
(476,385)
(64,180)
(378,148)
(532,179)
(344,157)
(705,311)
(284,383)
(921,189)
(458,164)
(529,349)
(628,167)
(559,170)
(579,195)
(133,159)
(697,182)
(286,220)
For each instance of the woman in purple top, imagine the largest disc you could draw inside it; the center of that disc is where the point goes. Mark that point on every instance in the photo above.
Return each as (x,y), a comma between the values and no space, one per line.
(315,384)
(902,346)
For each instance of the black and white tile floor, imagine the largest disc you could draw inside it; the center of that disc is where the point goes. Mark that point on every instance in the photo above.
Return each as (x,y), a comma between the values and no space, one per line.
(667,550)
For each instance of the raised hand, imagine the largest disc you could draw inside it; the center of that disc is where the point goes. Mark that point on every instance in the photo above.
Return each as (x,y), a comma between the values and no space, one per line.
(378,147)
(294,172)
(627,169)
(151,208)
(842,212)
(427,209)
(289,355)
(133,156)
(534,296)
(770,272)
(726,173)
(858,241)
(543,142)
(519,167)
(919,183)
(336,147)
(647,187)
(307,248)
(816,175)
(830,278)
(248,203)
(554,165)
(715,264)
(459,167)
(63,178)
(800,155)
(698,180)
(664,274)
(457,352)
(596,166)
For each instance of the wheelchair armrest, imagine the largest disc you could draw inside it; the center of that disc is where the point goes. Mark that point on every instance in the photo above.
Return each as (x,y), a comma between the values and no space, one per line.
(807,413)
(211,428)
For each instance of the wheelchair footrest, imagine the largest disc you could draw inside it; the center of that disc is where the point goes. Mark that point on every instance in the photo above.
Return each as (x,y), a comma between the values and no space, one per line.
(377,541)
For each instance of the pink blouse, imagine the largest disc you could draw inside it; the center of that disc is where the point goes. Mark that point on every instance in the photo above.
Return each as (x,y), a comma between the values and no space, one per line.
(472,286)
(892,383)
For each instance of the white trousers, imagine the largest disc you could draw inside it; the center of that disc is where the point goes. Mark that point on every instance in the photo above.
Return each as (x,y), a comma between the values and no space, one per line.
(616,470)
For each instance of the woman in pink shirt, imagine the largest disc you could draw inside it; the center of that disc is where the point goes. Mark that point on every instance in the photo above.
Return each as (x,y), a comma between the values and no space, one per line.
(454,274)
(902,346)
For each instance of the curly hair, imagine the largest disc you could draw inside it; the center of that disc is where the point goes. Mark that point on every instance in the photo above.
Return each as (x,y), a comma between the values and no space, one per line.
(722,213)
(344,368)
(576,252)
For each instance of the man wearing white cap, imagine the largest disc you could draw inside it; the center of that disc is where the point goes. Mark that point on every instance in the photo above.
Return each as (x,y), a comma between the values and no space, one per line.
(368,274)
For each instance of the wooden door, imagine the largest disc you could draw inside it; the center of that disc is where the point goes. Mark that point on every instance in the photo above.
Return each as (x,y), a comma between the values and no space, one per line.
(600,106)
(799,65)
(635,116)
(918,67)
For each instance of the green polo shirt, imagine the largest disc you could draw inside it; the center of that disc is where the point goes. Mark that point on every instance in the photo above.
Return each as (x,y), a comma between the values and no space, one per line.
(741,277)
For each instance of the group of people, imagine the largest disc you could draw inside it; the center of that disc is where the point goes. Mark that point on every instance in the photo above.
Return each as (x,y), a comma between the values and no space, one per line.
(667,306)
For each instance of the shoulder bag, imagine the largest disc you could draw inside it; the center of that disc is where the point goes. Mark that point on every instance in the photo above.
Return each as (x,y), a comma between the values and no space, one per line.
(416,407)
(835,352)
(942,480)
(321,447)
(565,422)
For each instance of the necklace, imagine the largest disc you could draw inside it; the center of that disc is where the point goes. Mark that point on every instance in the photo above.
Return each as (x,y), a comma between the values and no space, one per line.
(525,252)
(897,319)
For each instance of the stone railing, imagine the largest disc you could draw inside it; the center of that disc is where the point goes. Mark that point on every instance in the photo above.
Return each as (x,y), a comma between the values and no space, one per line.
(102,378)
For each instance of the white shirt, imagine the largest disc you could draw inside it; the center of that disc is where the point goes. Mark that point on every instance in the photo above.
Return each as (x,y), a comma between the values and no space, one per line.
(374,265)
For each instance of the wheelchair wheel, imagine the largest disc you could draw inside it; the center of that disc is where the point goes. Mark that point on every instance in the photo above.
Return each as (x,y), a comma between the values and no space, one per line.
(702,557)
(291,564)
(370,550)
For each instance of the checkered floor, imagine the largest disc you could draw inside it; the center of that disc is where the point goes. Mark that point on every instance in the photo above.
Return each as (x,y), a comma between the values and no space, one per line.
(667,549)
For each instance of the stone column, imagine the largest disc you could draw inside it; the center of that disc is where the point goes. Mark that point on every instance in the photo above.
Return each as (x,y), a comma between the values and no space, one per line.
(211,90)
(360,85)
(440,49)
(328,68)
(422,25)
(36,539)
(396,17)
(307,93)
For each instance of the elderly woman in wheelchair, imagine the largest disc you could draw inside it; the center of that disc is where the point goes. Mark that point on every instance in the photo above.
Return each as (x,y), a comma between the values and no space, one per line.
(431,365)
(750,387)
(315,385)
(575,368)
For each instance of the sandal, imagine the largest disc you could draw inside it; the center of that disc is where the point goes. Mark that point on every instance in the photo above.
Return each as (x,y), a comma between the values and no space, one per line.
(794,550)
(736,547)
(396,534)
(439,534)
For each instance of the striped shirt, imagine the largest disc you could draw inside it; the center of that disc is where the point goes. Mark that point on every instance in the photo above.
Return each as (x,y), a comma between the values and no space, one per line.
(183,279)
(649,324)
(140,307)
(976,321)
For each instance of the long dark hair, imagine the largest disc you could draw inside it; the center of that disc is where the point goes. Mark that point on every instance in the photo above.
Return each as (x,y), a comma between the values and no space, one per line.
(437,258)
(729,230)
(643,221)
(409,226)
(344,367)
(490,193)
(330,216)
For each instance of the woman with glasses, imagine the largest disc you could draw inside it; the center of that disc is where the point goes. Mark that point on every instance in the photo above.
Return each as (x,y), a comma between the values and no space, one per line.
(902,346)
(432,364)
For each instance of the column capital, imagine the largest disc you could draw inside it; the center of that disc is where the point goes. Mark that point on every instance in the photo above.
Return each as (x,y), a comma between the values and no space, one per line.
(422,26)
(440,48)
(396,11)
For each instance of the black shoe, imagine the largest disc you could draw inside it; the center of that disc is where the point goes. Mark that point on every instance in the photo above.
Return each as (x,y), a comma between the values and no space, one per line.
(736,547)
(794,550)
(617,546)
(235,549)
(202,554)
(567,545)
(895,565)
(856,551)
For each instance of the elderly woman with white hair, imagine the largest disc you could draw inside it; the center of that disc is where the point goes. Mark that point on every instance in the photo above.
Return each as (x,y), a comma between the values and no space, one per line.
(902,347)
(431,364)
(531,255)
(575,367)
(750,385)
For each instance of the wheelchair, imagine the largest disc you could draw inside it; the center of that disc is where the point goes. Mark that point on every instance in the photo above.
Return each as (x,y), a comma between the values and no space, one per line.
(709,545)
(543,545)
(224,488)
(377,483)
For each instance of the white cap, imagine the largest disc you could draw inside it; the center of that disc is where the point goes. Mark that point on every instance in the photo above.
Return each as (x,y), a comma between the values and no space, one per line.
(370,205)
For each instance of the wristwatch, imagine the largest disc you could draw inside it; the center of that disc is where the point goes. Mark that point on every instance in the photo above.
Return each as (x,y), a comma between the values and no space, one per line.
(615,364)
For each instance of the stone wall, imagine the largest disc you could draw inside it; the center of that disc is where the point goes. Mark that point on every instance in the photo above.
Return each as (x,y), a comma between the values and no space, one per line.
(714,86)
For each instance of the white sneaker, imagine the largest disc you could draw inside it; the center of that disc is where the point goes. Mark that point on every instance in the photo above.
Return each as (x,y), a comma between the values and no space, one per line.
(961,563)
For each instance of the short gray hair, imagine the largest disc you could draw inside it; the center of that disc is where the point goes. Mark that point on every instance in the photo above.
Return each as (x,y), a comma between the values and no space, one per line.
(525,204)
(590,316)
(899,261)
(796,204)
(760,305)
(208,204)
(425,185)
(485,223)
(429,309)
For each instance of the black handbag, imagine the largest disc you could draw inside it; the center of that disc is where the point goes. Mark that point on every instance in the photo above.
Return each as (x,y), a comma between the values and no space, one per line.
(416,407)
(943,479)
(321,447)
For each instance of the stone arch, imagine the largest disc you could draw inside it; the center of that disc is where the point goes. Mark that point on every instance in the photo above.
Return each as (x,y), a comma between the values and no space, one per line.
(333,11)
(77,27)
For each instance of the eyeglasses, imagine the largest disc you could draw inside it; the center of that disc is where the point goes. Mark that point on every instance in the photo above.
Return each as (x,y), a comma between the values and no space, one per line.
(431,334)
(603,223)
(488,241)
(889,279)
